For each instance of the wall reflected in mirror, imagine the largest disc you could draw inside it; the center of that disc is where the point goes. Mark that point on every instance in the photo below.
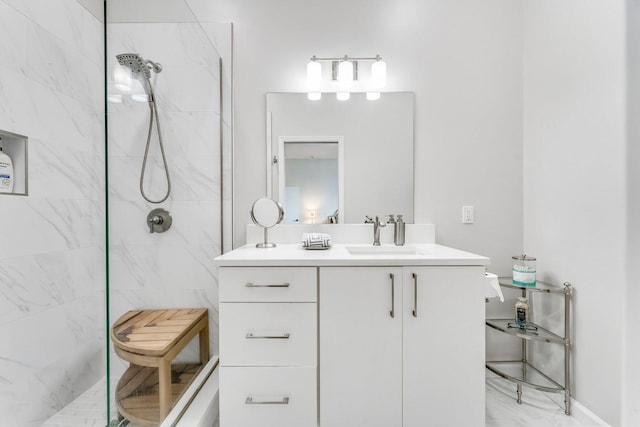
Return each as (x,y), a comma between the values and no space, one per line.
(337,161)
(311,189)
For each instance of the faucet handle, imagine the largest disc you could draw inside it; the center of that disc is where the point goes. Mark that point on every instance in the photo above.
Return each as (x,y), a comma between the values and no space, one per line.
(391,219)
(368,220)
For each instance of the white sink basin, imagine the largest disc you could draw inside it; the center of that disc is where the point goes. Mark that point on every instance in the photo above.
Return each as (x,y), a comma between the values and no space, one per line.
(383,250)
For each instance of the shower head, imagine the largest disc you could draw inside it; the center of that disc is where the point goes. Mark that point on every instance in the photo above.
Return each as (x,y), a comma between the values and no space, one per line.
(137,65)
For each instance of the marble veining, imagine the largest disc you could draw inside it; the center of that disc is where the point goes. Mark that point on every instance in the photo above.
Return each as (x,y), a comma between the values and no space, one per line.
(52,242)
(13,43)
(66,20)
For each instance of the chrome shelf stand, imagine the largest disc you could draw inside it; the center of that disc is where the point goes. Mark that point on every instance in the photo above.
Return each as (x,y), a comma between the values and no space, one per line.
(522,372)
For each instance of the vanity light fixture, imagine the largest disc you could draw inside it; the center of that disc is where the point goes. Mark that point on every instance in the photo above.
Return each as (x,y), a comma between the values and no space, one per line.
(379,73)
(345,71)
(314,77)
(314,73)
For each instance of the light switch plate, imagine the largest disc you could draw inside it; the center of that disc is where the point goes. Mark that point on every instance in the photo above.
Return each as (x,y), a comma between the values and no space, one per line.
(467,214)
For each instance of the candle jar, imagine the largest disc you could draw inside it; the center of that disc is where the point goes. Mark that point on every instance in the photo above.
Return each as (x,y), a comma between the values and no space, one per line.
(524,270)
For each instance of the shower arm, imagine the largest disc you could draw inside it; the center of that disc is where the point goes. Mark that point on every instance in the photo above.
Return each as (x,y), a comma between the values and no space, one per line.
(153,65)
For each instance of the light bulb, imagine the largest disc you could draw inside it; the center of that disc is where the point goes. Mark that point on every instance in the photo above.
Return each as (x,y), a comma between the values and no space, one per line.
(122,79)
(314,96)
(372,96)
(379,74)
(345,73)
(343,96)
(314,74)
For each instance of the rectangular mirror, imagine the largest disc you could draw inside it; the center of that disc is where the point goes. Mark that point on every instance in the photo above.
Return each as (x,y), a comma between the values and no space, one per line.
(333,161)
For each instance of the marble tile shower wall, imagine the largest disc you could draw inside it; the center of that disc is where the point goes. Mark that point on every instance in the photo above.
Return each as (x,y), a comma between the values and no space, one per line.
(173,269)
(52,274)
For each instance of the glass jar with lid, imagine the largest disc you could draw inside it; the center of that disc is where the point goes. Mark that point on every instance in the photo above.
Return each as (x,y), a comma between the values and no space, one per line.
(524,270)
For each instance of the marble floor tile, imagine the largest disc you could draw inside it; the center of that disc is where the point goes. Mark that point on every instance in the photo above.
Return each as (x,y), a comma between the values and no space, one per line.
(502,410)
(537,408)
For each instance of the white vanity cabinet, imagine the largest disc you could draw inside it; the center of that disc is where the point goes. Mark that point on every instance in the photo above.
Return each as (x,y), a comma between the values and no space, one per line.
(268,346)
(351,338)
(410,358)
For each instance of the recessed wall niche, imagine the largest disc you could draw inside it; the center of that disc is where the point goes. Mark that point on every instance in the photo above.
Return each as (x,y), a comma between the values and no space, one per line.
(15,146)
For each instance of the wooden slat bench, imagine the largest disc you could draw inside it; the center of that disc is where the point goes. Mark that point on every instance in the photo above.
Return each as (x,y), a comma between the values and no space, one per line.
(149,340)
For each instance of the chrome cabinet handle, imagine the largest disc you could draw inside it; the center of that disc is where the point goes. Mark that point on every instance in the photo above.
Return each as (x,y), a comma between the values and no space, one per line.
(250,401)
(268,337)
(393,298)
(251,285)
(415,294)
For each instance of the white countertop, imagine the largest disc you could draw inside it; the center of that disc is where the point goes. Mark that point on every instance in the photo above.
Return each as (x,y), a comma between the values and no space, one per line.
(338,255)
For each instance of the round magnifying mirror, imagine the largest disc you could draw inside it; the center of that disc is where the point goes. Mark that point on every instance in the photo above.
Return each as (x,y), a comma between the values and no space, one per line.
(266,213)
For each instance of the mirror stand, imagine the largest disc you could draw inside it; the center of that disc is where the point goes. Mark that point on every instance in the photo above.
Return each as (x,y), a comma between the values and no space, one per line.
(266,213)
(266,243)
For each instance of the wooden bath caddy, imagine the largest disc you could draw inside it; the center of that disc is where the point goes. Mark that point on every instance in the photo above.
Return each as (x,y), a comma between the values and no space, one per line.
(149,340)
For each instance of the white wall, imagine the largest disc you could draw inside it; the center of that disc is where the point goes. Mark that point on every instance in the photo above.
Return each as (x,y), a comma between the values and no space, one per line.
(52,260)
(575,179)
(631,374)
(463,61)
(314,185)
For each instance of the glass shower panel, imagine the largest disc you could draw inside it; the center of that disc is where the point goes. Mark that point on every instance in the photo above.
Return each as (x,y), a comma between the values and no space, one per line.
(173,269)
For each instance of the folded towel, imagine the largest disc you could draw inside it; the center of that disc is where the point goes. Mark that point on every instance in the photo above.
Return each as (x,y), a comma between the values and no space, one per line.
(493,287)
(316,241)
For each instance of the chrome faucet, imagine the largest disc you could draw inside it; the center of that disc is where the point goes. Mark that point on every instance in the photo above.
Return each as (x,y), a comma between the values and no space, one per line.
(376,229)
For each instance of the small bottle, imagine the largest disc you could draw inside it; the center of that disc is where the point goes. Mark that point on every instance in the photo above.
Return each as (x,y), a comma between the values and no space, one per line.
(398,232)
(6,172)
(522,312)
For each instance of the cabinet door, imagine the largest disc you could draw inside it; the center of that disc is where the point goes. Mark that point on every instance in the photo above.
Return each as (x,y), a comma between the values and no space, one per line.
(360,347)
(443,346)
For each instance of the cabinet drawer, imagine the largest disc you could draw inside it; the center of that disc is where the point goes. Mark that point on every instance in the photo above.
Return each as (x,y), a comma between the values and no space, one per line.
(272,334)
(268,397)
(268,284)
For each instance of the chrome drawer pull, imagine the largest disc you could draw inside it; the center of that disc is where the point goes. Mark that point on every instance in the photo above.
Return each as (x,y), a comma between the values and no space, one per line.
(393,300)
(268,337)
(251,285)
(415,295)
(250,401)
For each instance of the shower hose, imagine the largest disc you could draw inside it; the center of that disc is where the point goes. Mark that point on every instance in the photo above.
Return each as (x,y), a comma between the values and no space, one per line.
(153,114)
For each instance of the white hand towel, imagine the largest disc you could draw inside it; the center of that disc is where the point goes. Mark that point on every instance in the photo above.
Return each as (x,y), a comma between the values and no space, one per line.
(493,288)
(316,241)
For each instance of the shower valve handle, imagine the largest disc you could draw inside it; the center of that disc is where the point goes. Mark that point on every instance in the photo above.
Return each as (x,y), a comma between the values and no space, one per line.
(159,221)
(155,220)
